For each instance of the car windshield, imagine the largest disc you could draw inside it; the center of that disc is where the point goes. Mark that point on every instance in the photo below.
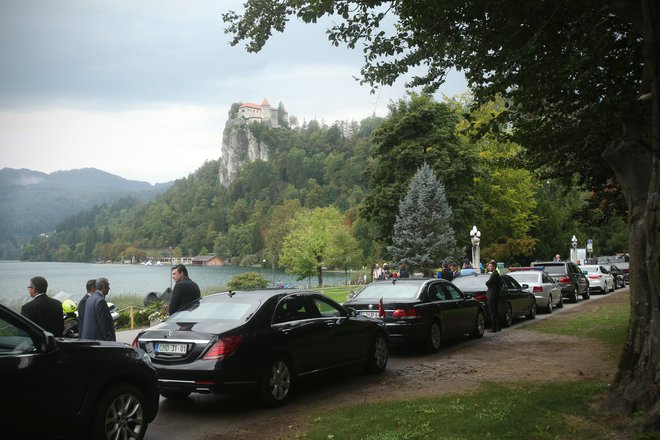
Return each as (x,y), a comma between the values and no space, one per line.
(228,310)
(525,277)
(470,282)
(389,291)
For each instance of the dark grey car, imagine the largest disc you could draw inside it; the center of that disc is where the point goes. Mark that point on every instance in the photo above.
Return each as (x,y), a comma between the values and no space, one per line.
(572,281)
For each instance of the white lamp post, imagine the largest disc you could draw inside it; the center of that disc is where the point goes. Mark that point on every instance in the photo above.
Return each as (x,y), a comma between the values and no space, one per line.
(475,238)
(574,253)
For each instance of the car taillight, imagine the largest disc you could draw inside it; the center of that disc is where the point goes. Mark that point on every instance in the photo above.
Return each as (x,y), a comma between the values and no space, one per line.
(537,289)
(481,297)
(135,344)
(224,347)
(564,279)
(625,270)
(595,277)
(404,314)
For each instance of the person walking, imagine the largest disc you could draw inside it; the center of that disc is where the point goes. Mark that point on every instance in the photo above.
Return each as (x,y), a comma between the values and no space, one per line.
(98,323)
(185,290)
(43,310)
(492,295)
(90,286)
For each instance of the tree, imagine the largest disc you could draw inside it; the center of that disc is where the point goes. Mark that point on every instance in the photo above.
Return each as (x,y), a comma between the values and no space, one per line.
(247,280)
(581,79)
(423,235)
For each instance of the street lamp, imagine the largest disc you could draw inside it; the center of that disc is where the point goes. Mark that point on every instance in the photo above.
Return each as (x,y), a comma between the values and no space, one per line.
(475,238)
(574,253)
(272,266)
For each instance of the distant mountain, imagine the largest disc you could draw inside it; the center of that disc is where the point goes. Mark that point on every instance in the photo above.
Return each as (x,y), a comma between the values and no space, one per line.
(32,202)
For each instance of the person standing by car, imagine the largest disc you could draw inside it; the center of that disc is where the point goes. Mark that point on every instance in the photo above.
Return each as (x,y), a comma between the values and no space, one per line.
(403,271)
(98,323)
(185,290)
(446,273)
(90,287)
(43,310)
(557,258)
(492,294)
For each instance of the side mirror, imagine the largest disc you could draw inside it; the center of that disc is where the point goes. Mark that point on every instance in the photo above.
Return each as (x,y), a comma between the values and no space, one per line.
(525,286)
(352,313)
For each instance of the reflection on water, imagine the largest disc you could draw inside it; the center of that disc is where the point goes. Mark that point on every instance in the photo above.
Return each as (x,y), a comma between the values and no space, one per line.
(128,279)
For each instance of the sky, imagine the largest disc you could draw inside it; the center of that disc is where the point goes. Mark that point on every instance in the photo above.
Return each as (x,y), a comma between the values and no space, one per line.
(142,88)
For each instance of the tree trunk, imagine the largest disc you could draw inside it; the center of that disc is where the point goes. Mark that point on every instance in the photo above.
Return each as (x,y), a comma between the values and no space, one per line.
(636,161)
(319,270)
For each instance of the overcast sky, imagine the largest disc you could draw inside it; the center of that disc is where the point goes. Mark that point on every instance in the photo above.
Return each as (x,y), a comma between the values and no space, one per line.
(141,88)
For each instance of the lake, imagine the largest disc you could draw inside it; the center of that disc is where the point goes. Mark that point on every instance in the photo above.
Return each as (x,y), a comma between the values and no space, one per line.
(128,279)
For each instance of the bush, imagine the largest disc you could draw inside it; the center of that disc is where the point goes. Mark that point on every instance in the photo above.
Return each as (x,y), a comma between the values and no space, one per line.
(247,280)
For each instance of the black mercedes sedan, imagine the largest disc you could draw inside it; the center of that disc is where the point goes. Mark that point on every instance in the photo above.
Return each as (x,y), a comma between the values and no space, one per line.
(259,340)
(420,311)
(513,300)
(69,388)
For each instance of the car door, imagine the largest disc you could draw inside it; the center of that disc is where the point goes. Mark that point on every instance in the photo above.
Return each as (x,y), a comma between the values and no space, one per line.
(579,277)
(518,299)
(608,276)
(434,301)
(553,288)
(463,311)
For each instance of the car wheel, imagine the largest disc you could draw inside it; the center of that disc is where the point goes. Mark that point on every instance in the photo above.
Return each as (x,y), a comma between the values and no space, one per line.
(434,338)
(276,382)
(377,359)
(574,296)
(175,395)
(613,287)
(508,315)
(120,414)
(532,311)
(479,326)
(549,308)
(560,304)
(586,294)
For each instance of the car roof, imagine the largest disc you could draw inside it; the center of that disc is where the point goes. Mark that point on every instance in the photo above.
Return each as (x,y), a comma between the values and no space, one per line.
(259,295)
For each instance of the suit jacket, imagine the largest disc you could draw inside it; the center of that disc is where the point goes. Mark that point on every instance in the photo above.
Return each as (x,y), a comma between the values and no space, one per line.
(493,285)
(184,292)
(81,311)
(98,321)
(45,312)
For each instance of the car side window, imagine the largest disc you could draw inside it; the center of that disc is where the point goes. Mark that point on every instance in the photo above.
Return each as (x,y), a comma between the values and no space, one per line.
(13,340)
(435,292)
(292,308)
(511,283)
(451,292)
(325,308)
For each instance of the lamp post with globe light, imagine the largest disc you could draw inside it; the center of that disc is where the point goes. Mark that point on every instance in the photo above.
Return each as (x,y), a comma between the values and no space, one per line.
(574,252)
(475,238)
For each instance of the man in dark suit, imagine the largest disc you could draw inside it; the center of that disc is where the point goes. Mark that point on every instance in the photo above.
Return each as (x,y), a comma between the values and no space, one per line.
(43,310)
(98,323)
(492,295)
(185,290)
(90,287)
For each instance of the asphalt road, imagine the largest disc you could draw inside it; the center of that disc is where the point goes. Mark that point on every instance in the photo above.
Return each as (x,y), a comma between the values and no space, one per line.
(228,417)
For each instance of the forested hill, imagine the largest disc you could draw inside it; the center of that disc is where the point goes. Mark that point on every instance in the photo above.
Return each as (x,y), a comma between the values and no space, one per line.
(32,202)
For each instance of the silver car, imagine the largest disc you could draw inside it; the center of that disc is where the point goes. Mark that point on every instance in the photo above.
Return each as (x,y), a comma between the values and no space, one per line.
(600,279)
(546,291)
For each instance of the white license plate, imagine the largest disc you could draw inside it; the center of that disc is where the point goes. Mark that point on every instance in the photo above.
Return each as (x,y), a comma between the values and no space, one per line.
(370,314)
(171,348)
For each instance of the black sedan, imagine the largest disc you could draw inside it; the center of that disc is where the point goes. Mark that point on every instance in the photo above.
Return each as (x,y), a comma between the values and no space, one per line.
(59,387)
(259,340)
(513,300)
(420,311)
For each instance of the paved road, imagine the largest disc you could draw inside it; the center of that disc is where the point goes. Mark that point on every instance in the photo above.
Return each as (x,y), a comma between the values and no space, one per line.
(227,417)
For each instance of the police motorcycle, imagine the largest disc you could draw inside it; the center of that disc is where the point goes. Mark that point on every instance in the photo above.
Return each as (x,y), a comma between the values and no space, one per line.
(70,314)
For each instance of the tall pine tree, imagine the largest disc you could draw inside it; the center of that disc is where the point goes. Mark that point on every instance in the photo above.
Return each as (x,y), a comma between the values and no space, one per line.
(423,235)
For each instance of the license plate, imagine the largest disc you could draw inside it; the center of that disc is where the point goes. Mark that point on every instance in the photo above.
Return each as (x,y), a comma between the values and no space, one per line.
(171,348)
(370,314)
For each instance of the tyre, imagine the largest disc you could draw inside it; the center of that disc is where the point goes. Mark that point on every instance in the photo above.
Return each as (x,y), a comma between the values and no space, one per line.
(120,414)
(532,311)
(175,395)
(276,383)
(508,316)
(549,308)
(586,294)
(479,326)
(613,287)
(378,356)
(434,338)
(574,295)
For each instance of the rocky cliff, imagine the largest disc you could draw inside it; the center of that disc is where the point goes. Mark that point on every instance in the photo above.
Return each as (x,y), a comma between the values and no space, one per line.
(239,146)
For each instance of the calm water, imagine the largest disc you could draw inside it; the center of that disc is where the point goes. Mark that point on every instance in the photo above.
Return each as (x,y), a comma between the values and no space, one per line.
(125,279)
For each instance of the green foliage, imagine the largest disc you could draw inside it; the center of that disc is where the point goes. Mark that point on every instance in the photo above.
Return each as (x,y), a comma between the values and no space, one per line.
(423,235)
(247,280)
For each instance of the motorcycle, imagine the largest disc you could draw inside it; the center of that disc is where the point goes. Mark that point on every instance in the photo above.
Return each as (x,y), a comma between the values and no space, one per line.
(70,314)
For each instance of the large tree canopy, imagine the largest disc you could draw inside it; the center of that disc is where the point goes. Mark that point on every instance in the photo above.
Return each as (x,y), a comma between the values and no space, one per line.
(572,71)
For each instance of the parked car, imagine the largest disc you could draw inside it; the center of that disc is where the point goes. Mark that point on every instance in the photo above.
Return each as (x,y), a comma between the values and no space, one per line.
(617,274)
(420,311)
(60,387)
(546,291)
(259,340)
(570,278)
(625,268)
(600,279)
(514,302)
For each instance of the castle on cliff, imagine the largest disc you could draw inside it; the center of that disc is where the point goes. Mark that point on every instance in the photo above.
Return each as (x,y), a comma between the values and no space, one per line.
(263,113)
